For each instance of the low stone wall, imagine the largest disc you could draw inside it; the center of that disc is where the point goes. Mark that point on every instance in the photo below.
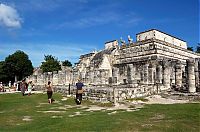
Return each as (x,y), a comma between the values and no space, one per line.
(106,93)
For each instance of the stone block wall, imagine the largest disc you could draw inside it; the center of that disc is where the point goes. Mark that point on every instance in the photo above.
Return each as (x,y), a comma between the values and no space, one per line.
(63,77)
(106,93)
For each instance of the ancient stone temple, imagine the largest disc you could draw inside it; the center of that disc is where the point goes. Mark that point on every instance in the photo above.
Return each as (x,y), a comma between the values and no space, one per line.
(157,61)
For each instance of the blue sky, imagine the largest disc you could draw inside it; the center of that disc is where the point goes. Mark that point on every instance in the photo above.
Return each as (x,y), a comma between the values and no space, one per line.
(68,28)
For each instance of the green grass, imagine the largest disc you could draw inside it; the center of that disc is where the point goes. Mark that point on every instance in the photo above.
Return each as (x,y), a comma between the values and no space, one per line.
(13,108)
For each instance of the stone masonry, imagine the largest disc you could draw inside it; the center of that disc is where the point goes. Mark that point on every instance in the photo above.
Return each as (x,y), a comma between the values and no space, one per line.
(156,62)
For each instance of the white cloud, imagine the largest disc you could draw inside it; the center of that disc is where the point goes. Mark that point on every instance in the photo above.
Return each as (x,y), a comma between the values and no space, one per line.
(9,17)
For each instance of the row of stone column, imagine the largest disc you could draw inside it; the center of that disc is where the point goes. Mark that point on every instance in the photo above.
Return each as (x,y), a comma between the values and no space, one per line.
(158,73)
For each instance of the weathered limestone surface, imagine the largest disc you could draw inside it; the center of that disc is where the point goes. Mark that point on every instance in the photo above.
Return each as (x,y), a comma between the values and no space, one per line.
(150,65)
(159,74)
(166,74)
(191,76)
(146,73)
(197,74)
(178,74)
(62,77)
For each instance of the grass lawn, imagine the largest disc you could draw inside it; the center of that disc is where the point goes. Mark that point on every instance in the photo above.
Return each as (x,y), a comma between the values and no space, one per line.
(33,113)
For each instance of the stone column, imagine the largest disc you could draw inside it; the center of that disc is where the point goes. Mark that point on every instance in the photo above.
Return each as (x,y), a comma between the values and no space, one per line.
(120,74)
(178,75)
(133,74)
(41,79)
(173,74)
(166,74)
(126,73)
(146,73)
(196,69)
(115,75)
(150,73)
(55,78)
(159,74)
(45,78)
(152,69)
(130,73)
(191,76)
(59,77)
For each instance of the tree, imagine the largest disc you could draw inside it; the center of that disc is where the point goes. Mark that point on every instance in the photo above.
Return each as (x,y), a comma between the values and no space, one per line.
(3,75)
(67,63)
(17,66)
(51,64)
(198,48)
(190,48)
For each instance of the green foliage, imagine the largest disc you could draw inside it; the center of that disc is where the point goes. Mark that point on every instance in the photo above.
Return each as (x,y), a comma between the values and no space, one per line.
(3,75)
(49,57)
(67,63)
(190,48)
(51,64)
(17,64)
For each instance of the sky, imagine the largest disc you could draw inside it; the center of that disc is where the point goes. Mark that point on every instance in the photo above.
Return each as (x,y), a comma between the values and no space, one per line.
(67,29)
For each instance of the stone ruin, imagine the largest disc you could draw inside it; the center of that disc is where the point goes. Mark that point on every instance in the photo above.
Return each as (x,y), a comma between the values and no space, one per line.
(156,62)
(58,78)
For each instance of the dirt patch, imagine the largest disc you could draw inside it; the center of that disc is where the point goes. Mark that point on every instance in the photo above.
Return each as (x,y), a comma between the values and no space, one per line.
(94,108)
(1,112)
(60,108)
(64,98)
(76,114)
(147,125)
(27,118)
(158,117)
(57,117)
(111,113)
(51,111)
(157,99)
(114,108)
(40,104)
(43,103)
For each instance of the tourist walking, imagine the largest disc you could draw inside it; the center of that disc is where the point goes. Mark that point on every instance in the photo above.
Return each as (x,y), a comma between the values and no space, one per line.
(18,86)
(79,92)
(9,85)
(30,86)
(49,92)
(23,87)
(1,87)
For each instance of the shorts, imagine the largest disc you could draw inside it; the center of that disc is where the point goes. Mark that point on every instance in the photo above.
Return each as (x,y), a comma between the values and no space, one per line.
(49,94)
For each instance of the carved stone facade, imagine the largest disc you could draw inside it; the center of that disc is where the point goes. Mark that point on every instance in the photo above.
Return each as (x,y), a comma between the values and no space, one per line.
(96,68)
(155,62)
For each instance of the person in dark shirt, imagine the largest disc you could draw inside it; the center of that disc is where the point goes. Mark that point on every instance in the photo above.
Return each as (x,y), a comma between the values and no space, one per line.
(23,87)
(50,92)
(79,92)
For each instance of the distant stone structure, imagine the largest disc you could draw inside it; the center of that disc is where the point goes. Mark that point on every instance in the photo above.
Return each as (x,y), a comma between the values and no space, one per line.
(154,63)
(62,77)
